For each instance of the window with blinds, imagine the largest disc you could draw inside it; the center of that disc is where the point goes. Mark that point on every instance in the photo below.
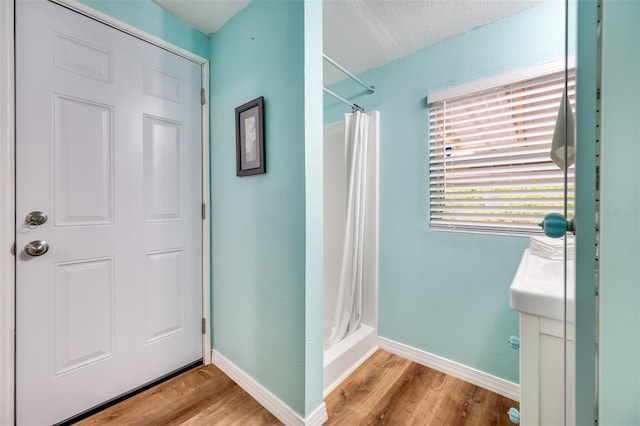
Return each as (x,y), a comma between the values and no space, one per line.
(489,154)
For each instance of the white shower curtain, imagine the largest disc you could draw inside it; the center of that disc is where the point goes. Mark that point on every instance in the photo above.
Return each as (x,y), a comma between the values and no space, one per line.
(348,310)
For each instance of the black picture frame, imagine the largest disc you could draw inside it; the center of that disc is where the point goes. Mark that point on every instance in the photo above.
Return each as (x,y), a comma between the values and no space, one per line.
(250,158)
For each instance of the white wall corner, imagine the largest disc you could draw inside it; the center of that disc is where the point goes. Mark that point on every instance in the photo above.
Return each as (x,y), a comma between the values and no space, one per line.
(479,378)
(269,401)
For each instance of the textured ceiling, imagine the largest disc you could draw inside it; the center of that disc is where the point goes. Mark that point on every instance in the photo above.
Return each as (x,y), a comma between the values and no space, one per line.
(364,34)
(206,16)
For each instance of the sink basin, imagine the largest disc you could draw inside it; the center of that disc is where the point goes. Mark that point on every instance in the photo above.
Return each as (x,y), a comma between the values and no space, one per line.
(538,287)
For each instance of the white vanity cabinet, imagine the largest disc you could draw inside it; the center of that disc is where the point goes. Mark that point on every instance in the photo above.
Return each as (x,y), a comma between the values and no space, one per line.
(537,292)
(542,371)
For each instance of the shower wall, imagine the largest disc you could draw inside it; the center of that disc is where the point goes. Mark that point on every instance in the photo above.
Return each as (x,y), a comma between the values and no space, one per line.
(335,202)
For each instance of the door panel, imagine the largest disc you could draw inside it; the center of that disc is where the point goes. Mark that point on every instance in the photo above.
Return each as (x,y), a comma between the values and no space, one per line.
(109,147)
(83,313)
(163,173)
(164,287)
(83,157)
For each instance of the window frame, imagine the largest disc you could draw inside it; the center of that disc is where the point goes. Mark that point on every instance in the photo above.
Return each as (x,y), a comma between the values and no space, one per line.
(468,91)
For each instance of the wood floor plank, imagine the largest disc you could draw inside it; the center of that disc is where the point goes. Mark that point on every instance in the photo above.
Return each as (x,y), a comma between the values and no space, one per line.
(385,390)
(171,403)
(417,395)
(407,400)
(154,397)
(453,406)
(365,387)
(490,409)
(235,407)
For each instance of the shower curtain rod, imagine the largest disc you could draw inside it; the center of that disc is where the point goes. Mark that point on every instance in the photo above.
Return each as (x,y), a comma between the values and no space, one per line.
(369,88)
(353,106)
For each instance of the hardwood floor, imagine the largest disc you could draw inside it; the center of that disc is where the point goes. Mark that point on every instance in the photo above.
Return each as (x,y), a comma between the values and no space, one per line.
(390,390)
(385,390)
(203,396)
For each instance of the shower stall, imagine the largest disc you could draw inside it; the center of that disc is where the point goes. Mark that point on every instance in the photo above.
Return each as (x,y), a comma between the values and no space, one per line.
(349,340)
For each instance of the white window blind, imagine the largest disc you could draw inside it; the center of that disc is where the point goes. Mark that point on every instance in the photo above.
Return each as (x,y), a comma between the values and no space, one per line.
(489,156)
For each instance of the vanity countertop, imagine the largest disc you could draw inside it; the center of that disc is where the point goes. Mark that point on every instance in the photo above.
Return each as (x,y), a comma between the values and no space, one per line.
(538,287)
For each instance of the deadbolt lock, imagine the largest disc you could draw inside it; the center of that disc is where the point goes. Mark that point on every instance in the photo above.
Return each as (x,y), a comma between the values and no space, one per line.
(36,219)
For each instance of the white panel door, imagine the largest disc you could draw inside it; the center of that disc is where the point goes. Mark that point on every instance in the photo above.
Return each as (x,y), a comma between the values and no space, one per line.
(109,148)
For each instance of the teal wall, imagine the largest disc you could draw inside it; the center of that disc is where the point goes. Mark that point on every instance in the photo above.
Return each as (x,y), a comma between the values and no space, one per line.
(441,292)
(619,354)
(259,222)
(149,17)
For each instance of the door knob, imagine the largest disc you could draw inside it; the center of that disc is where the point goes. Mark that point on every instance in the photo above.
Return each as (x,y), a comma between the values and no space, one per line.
(556,225)
(36,248)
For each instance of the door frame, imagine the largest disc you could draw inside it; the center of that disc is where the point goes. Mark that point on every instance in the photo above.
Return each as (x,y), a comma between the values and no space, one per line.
(8,188)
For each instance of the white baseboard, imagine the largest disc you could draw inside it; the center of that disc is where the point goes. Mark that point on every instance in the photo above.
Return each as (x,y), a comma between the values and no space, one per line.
(318,417)
(468,374)
(269,401)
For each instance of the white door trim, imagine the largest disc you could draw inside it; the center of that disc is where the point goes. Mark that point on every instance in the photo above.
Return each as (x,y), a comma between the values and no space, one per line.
(7,213)
(7,189)
(85,10)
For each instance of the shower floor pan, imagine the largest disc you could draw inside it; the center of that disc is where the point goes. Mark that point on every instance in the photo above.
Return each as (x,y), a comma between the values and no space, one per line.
(347,355)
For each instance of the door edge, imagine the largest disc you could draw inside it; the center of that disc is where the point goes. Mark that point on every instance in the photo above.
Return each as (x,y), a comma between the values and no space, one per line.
(7,214)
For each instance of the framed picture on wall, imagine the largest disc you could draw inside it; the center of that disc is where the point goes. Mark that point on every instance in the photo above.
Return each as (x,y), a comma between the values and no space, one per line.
(250,138)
